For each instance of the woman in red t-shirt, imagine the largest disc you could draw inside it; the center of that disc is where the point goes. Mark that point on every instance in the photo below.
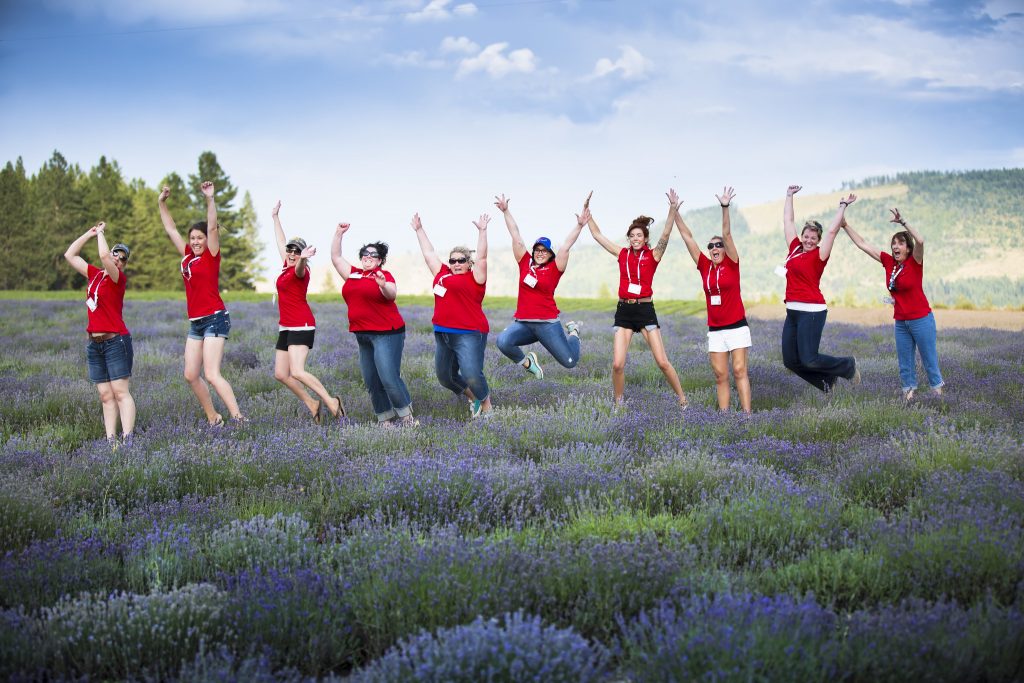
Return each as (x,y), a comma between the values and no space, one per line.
(728,332)
(208,317)
(536,316)
(370,292)
(914,325)
(296,324)
(109,353)
(635,310)
(460,326)
(805,306)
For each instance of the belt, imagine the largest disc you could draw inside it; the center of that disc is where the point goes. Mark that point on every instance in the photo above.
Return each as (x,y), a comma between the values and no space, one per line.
(645,300)
(102,336)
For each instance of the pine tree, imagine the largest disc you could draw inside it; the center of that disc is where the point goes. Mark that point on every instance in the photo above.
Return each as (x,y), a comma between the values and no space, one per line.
(17,235)
(59,218)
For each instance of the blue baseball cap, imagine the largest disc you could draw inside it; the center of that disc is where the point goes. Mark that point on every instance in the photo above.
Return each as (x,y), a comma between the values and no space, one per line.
(544,242)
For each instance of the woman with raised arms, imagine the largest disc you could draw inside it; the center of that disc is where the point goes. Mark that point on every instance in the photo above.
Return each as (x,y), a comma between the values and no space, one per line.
(109,354)
(728,332)
(460,326)
(635,310)
(805,306)
(209,322)
(296,325)
(914,325)
(536,316)
(369,292)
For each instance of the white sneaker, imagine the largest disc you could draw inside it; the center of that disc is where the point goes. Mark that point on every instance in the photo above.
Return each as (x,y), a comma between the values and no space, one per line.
(534,367)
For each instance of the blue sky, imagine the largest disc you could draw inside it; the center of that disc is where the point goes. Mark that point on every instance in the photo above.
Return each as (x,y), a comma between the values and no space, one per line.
(368,111)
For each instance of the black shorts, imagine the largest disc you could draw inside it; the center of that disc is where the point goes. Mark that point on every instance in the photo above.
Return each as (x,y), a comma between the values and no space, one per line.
(288,338)
(636,317)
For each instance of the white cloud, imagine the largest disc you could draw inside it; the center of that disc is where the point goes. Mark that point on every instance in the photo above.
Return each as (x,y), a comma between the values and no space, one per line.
(461,44)
(496,64)
(631,65)
(466,9)
(437,10)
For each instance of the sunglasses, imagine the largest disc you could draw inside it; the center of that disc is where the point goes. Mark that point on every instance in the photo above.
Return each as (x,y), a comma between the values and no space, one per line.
(716,245)
(371,254)
(293,250)
(453,261)
(120,256)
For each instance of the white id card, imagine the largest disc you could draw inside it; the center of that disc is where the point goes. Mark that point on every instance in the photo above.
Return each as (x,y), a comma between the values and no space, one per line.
(633,288)
(780,271)
(530,280)
(440,290)
(716,299)
(90,303)
(355,276)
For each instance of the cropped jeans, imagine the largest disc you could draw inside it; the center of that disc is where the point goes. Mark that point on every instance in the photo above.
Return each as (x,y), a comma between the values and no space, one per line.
(801,337)
(459,362)
(564,348)
(919,333)
(380,360)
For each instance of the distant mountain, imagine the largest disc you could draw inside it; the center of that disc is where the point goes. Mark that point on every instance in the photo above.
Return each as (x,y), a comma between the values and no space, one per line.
(973,224)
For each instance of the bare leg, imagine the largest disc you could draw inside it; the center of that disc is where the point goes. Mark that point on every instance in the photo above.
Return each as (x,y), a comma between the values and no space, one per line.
(654,340)
(109,408)
(125,404)
(297,362)
(282,373)
(620,347)
(720,366)
(213,352)
(739,373)
(193,375)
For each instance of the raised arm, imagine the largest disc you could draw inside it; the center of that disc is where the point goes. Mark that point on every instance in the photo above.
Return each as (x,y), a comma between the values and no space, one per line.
(825,248)
(279,237)
(300,265)
(169,227)
(918,237)
(212,229)
(480,258)
(340,264)
(684,230)
(862,244)
(106,258)
(730,244)
(595,231)
(562,257)
(659,248)
(518,246)
(788,220)
(72,254)
(429,255)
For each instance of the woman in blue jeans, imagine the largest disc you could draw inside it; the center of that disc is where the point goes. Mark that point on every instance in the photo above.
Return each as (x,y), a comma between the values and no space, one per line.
(460,326)
(914,320)
(370,292)
(536,316)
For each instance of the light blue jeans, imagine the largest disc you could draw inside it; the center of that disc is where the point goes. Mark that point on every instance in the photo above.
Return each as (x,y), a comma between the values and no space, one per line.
(919,333)
(380,360)
(564,348)
(459,362)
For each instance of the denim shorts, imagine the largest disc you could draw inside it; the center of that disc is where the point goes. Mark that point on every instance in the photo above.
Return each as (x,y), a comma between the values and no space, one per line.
(214,325)
(111,359)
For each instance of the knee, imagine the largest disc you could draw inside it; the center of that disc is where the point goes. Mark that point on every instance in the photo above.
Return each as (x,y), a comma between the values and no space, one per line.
(791,361)
(664,364)
(504,344)
(720,376)
(739,372)
(106,396)
(301,375)
(191,376)
(281,375)
(121,395)
(619,366)
(569,362)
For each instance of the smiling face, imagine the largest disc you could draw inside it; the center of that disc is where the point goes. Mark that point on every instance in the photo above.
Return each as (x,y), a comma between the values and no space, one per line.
(120,258)
(541,255)
(809,238)
(197,240)
(369,258)
(636,238)
(459,262)
(292,255)
(716,249)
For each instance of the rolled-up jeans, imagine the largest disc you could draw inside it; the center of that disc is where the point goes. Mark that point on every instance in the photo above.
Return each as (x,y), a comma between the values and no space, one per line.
(380,360)
(459,362)
(801,337)
(919,333)
(564,348)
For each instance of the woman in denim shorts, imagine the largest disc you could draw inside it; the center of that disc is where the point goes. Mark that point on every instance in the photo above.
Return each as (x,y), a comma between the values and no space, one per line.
(109,352)
(210,323)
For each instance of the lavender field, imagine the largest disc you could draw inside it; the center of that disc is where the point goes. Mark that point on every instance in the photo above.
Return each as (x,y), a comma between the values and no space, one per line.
(839,538)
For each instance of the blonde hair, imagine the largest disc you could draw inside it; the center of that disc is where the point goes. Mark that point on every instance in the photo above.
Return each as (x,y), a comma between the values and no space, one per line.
(465,251)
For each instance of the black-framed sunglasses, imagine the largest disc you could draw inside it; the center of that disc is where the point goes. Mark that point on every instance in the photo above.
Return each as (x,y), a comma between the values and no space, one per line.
(293,250)
(120,256)
(453,261)
(716,245)
(371,254)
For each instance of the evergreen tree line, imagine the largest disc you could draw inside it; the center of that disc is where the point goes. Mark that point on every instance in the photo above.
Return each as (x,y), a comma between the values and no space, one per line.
(41,214)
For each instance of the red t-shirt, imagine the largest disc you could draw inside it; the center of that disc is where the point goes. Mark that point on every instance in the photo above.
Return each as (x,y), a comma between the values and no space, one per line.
(460,308)
(537,302)
(202,291)
(636,268)
(109,298)
(803,274)
(368,310)
(292,307)
(911,303)
(723,281)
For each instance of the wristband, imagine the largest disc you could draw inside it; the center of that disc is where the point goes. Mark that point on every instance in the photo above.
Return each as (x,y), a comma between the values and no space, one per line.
(844,203)
(724,206)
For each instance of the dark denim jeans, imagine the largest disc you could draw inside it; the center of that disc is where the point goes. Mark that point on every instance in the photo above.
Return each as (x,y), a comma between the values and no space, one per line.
(563,348)
(380,359)
(459,362)
(801,336)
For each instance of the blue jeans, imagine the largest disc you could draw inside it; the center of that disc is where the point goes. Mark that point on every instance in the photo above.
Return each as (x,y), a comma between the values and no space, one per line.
(110,360)
(459,362)
(380,359)
(564,349)
(801,336)
(918,333)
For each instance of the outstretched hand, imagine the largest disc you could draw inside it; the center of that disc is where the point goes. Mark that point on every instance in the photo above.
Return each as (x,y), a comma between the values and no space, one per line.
(725,199)
(481,223)
(502,203)
(416,223)
(277,208)
(673,198)
(896,217)
(849,200)
(207,189)
(378,275)
(586,202)
(583,218)
(308,252)
(793,189)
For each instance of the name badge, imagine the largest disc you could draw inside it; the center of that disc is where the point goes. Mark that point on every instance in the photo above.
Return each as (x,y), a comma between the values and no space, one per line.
(440,290)
(633,288)
(716,299)
(530,280)
(90,303)
(355,276)
(780,271)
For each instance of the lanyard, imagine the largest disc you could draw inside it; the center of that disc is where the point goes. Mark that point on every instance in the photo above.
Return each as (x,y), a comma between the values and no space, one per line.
(639,258)
(718,279)
(90,292)
(796,252)
(896,270)
(186,268)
